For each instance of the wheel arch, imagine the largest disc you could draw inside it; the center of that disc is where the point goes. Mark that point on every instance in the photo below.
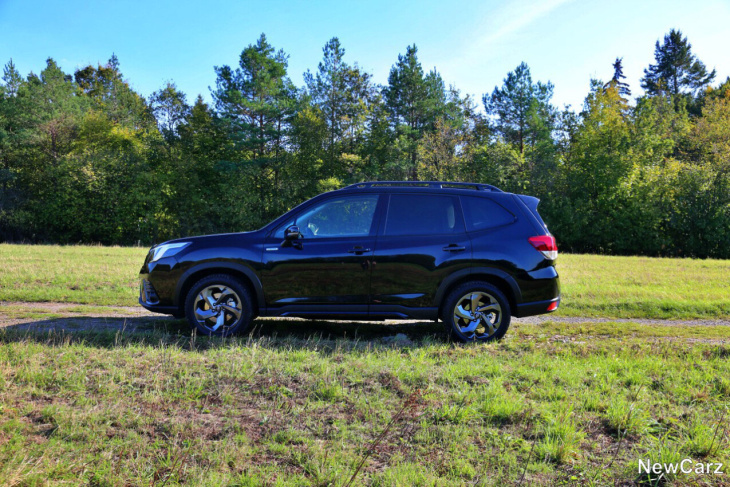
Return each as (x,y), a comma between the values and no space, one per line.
(497,277)
(245,274)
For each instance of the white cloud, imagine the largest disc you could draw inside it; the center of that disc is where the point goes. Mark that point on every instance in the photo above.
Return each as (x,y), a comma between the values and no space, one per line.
(516,16)
(490,38)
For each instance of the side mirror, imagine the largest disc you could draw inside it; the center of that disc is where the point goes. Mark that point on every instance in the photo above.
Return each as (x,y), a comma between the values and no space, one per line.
(292,236)
(292,233)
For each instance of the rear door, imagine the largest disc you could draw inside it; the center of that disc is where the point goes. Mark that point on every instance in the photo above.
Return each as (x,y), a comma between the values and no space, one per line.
(422,240)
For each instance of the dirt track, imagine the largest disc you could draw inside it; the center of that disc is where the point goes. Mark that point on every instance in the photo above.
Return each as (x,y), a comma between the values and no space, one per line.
(71,317)
(75,317)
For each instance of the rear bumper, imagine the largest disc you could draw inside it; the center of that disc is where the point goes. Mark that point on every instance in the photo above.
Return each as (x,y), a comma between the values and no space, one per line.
(536,308)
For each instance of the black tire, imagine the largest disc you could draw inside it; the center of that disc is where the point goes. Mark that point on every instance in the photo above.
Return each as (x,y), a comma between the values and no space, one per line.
(234,296)
(492,319)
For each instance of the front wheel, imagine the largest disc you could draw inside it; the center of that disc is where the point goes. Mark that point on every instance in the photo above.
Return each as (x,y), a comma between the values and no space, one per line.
(219,305)
(476,311)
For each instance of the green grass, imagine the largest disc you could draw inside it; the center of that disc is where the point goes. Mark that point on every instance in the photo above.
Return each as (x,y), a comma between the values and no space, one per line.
(314,403)
(299,406)
(644,287)
(70,274)
(592,285)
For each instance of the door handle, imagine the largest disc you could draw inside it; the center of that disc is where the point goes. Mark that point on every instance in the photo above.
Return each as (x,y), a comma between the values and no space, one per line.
(357,250)
(453,248)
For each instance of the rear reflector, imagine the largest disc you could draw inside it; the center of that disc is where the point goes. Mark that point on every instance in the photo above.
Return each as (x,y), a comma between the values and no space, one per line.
(553,306)
(546,245)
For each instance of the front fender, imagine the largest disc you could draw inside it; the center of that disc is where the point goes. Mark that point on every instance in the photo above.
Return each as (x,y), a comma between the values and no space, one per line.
(223,266)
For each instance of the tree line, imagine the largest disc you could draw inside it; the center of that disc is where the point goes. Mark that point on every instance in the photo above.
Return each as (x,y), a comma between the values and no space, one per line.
(85,158)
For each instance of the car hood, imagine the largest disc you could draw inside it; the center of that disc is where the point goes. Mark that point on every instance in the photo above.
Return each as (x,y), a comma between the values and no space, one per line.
(218,238)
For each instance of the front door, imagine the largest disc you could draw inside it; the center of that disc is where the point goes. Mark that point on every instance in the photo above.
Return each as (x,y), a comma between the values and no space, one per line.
(330,265)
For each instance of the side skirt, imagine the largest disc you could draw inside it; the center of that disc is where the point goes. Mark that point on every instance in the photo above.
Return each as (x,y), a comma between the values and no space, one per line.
(355,312)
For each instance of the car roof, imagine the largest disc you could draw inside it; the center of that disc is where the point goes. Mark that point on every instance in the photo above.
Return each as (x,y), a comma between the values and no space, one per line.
(380,187)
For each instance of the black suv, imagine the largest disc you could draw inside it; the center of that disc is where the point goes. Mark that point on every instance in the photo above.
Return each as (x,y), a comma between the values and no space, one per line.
(469,254)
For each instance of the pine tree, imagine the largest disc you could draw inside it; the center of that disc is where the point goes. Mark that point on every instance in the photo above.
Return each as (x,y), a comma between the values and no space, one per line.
(342,93)
(618,75)
(10,151)
(414,101)
(11,79)
(677,69)
(520,107)
(406,91)
(257,101)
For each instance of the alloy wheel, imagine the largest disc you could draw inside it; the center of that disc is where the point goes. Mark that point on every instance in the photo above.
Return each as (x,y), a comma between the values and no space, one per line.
(477,315)
(217,308)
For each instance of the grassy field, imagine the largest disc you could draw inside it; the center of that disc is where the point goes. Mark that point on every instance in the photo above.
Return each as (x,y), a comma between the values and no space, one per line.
(619,287)
(644,287)
(326,403)
(551,404)
(70,274)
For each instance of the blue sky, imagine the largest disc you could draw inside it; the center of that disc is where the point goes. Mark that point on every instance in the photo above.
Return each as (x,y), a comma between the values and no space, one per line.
(472,43)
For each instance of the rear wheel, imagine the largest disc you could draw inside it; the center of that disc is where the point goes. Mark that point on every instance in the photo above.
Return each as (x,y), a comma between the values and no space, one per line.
(476,311)
(219,305)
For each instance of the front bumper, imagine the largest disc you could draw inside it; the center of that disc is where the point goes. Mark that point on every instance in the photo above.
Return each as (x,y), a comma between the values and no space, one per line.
(147,292)
(149,299)
(154,292)
(165,310)
(157,281)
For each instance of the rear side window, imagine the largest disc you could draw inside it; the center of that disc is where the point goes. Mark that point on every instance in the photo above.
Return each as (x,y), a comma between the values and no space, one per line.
(423,214)
(481,213)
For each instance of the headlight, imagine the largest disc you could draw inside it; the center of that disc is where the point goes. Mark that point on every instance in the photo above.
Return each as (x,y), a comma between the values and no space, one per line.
(167,250)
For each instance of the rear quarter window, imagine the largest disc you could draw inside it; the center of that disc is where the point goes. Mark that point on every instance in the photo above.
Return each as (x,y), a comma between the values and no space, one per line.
(482,213)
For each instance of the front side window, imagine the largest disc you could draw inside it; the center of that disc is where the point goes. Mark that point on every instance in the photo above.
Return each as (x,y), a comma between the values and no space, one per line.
(423,214)
(350,216)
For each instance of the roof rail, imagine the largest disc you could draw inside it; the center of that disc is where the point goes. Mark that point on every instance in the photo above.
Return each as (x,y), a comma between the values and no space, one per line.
(426,184)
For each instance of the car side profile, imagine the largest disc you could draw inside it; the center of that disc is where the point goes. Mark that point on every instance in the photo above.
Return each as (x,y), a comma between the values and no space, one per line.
(468,254)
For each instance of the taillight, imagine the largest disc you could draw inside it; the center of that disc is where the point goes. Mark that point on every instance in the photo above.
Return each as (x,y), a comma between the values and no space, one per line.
(546,245)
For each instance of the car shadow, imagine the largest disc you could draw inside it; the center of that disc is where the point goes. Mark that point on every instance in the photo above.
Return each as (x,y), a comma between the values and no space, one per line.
(162,330)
